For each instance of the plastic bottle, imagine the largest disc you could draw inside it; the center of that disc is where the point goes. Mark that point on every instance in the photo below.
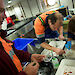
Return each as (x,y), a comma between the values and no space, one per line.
(55,63)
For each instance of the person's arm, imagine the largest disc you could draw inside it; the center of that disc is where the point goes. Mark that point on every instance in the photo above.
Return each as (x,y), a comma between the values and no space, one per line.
(68,44)
(46,46)
(32,68)
(69,39)
(61,37)
(56,50)
(61,30)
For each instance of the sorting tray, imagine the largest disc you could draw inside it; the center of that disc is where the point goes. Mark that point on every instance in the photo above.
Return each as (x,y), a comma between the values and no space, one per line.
(66,65)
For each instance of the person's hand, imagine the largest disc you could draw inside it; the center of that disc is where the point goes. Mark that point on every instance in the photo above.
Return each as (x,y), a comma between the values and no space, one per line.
(61,37)
(32,68)
(68,45)
(58,51)
(37,57)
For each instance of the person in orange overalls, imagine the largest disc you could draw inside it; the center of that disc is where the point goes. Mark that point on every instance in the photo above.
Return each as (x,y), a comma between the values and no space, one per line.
(46,25)
(11,59)
(9,22)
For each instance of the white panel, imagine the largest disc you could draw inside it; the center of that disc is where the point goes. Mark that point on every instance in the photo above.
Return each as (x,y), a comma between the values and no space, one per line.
(67,3)
(4,25)
(14,10)
(14,2)
(17,12)
(10,11)
(70,5)
(40,6)
(7,14)
(74,3)
(26,9)
(34,7)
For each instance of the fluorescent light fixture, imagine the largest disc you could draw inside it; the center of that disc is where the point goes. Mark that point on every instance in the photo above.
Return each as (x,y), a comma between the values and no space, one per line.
(8,6)
(51,2)
(9,1)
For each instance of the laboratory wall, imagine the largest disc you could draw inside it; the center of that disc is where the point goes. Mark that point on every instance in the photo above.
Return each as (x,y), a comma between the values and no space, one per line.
(30,8)
(26,8)
(14,10)
(67,3)
(74,3)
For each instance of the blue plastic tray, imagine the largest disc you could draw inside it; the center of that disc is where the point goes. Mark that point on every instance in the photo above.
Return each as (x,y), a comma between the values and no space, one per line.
(21,43)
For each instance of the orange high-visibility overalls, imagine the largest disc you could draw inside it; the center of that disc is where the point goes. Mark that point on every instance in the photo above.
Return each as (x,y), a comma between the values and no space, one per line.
(10,52)
(38,24)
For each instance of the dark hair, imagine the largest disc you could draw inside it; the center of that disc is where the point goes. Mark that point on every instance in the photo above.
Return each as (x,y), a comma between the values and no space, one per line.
(52,17)
(71,25)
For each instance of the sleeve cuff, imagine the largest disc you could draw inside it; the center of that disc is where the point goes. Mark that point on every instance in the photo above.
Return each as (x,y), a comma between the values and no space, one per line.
(41,40)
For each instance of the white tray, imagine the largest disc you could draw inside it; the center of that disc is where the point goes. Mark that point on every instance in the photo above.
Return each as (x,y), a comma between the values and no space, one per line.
(67,66)
(57,44)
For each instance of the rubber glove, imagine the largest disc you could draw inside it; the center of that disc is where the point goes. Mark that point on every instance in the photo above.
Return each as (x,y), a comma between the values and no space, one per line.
(68,45)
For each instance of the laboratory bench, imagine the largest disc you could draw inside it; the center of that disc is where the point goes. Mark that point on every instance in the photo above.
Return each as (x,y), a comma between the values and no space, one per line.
(48,67)
(21,29)
(65,62)
(53,64)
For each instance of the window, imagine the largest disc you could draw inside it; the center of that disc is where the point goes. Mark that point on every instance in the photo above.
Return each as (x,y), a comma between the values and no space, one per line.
(51,2)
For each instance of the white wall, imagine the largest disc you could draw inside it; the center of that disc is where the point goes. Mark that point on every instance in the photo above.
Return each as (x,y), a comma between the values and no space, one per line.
(26,9)
(74,3)
(63,2)
(31,9)
(14,10)
(17,12)
(67,3)
(9,12)
(40,6)
(4,25)
(45,8)
(34,7)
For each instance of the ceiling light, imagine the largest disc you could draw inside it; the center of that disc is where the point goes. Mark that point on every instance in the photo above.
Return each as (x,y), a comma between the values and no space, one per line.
(51,2)
(8,6)
(9,1)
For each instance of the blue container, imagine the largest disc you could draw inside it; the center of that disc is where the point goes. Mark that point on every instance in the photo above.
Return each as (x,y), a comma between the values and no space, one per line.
(21,43)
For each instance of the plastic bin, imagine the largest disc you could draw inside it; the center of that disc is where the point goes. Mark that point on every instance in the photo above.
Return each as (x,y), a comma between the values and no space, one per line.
(21,43)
